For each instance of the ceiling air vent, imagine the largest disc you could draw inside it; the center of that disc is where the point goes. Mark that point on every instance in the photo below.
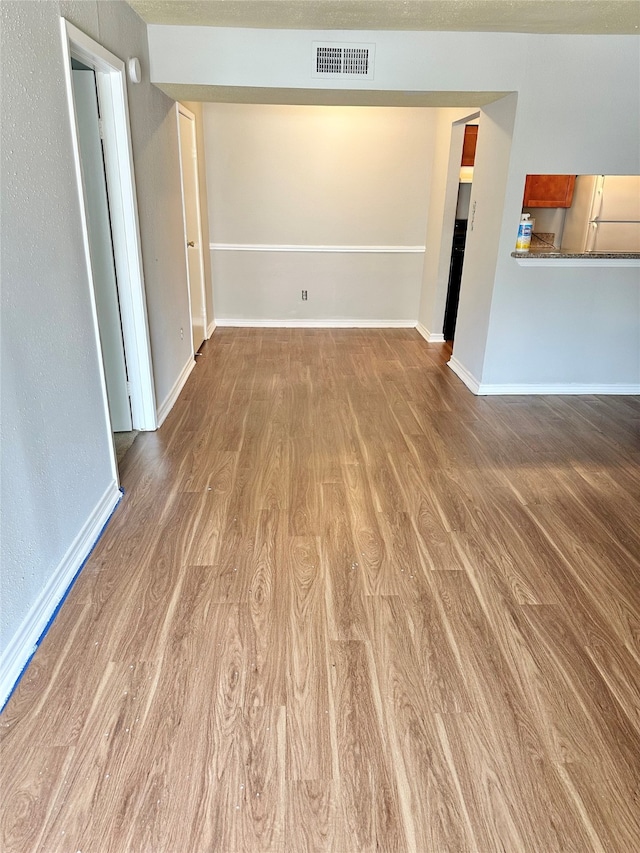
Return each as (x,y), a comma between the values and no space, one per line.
(332,59)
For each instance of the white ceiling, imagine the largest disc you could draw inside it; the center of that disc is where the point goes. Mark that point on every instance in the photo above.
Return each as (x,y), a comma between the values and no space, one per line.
(523,16)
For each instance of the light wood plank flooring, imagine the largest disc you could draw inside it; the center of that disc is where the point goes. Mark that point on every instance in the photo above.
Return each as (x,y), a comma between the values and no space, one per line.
(346,606)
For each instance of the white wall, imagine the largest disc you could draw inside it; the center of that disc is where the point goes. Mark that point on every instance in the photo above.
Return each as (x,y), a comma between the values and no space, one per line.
(404,61)
(577,109)
(349,289)
(328,179)
(557,327)
(55,445)
(485,219)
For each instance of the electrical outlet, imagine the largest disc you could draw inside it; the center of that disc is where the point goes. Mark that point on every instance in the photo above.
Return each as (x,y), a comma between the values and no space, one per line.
(304,295)
(181,334)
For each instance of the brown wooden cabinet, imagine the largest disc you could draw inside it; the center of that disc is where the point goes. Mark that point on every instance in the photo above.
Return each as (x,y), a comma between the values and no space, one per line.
(548,190)
(469,145)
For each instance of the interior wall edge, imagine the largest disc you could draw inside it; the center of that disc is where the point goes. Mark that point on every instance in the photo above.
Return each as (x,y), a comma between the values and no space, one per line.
(430,337)
(462,373)
(174,393)
(27,638)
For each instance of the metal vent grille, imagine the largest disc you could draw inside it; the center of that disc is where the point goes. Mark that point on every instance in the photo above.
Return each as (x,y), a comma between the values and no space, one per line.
(329,60)
(355,60)
(341,60)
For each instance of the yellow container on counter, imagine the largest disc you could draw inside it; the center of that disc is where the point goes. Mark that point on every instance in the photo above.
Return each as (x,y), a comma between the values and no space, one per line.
(525,228)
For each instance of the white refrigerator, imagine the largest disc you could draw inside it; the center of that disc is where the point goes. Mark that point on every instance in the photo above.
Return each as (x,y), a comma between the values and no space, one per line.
(604,215)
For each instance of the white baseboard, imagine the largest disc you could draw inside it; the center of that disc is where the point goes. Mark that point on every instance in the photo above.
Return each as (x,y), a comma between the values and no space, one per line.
(173,395)
(469,380)
(211,328)
(25,641)
(316,324)
(430,337)
(558,389)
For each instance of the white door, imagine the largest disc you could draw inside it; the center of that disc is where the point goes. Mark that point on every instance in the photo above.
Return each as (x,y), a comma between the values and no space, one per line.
(620,198)
(101,248)
(192,229)
(615,237)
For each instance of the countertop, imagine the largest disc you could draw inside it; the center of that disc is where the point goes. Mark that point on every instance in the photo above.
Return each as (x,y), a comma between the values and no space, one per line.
(559,253)
(544,250)
(549,257)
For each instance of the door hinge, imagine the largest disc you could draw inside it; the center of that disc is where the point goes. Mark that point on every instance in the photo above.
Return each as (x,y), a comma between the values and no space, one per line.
(101,128)
(128,388)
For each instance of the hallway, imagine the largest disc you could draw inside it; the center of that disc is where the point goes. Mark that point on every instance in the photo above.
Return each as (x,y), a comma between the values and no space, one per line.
(346,606)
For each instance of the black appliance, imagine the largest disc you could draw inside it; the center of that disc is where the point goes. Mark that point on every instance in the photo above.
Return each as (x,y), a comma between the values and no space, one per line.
(455,276)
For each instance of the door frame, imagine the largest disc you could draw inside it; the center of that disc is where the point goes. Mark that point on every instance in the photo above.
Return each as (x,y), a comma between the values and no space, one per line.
(118,156)
(449,219)
(180,108)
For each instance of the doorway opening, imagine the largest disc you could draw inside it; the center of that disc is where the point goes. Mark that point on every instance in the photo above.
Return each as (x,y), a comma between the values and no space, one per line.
(96,93)
(192,219)
(460,231)
(87,108)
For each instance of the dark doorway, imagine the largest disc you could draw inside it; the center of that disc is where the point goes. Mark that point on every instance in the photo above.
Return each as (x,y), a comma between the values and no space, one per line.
(455,276)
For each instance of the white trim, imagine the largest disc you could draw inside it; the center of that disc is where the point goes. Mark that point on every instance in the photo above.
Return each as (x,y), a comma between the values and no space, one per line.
(462,373)
(430,337)
(316,324)
(275,247)
(211,328)
(25,641)
(173,395)
(181,109)
(123,207)
(77,162)
(533,261)
(559,389)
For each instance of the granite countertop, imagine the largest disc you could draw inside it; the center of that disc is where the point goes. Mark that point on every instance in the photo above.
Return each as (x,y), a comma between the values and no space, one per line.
(543,246)
(548,252)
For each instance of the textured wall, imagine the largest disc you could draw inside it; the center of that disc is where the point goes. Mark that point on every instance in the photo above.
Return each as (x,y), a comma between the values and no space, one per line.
(318,176)
(55,457)
(366,288)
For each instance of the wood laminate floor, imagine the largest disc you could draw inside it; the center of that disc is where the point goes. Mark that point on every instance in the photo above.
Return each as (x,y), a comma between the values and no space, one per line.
(346,606)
